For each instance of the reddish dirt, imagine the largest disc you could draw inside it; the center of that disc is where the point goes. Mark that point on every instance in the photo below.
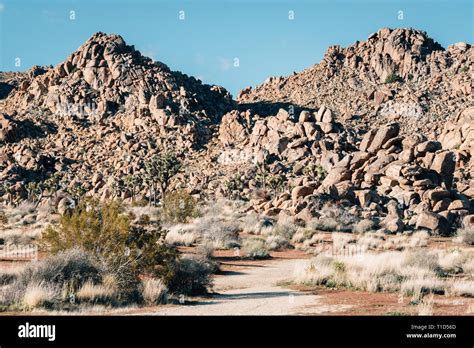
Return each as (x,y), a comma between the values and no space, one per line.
(368,303)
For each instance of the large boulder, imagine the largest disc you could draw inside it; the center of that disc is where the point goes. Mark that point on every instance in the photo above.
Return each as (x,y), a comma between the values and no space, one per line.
(433,222)
(383,135)
(444,163)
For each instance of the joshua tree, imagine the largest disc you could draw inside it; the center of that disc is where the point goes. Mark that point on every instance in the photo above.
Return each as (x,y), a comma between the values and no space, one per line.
(262,174)
(131,183)
(6,189)
(77,191)
(159,171)
(315,171)
(276,182)
(235,183)
(117,186)
(35,191)
(52,184)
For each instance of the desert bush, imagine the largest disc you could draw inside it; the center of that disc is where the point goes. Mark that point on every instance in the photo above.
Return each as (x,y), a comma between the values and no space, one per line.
(154,291)
(7,278)
(252,223)
(179,206)
(364,226)
(205,249)
(393,78)
(192,276)
(277,243)
(465,236)
(255,248)
(223,234)
(103,230)
(285,230)
(422,259)
(126,250)
(181,235)
(67,270)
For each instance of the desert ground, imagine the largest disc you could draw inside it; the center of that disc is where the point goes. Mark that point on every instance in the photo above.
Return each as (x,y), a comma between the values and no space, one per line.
(345,188)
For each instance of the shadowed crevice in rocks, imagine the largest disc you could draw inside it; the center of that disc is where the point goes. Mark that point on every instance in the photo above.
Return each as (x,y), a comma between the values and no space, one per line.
(5,89)
(265,108)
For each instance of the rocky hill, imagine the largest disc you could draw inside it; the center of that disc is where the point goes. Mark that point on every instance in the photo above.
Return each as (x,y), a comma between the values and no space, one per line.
(383,129)
(396,75)
(101,112)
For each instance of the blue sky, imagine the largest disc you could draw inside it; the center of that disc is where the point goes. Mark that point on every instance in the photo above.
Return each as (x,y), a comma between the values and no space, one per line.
(215,32)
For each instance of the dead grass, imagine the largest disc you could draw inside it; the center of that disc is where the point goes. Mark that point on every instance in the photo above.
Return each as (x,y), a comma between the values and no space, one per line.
(154,291)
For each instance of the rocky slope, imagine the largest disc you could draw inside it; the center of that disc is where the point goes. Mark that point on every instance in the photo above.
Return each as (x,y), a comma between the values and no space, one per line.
(434,83)
(101,113)
(398,153)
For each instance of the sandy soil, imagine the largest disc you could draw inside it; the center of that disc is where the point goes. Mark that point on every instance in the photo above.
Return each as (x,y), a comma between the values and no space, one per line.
(251,288)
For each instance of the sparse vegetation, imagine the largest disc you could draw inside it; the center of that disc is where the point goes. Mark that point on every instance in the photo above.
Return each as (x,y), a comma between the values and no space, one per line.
(191,276)
(159,171)
(392,78)
(465,236)
(179,206)
(255,248)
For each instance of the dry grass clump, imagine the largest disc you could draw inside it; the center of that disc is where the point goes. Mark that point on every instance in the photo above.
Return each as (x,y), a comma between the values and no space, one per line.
(334,217)
(253,223)
(39,294)
(414,273)
(65,271)
(181,235)
(425,306)
(97,293)
(465,236)
(218,225)
(363,226)
(255,248)
(277,243)
(462,288)
(154,291)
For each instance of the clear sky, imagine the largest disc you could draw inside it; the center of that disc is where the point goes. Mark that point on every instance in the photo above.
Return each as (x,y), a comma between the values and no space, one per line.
(259,33)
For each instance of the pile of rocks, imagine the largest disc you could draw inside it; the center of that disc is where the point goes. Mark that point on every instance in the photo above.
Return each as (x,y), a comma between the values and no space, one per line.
(409,180)
(105,109)
(103,112)
(396,75)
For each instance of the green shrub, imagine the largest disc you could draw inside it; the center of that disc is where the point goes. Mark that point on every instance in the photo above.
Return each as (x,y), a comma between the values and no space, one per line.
(179,206)
(191,276)
(127,250)
(393,78)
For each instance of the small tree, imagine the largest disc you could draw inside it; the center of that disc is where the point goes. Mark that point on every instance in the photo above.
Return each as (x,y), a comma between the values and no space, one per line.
(262,174)
(234,184)
(34,191)
(276,182)
(131,182)
(315,171)
(159,171)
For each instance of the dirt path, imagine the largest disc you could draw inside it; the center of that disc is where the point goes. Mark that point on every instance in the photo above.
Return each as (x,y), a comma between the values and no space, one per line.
(253,290)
